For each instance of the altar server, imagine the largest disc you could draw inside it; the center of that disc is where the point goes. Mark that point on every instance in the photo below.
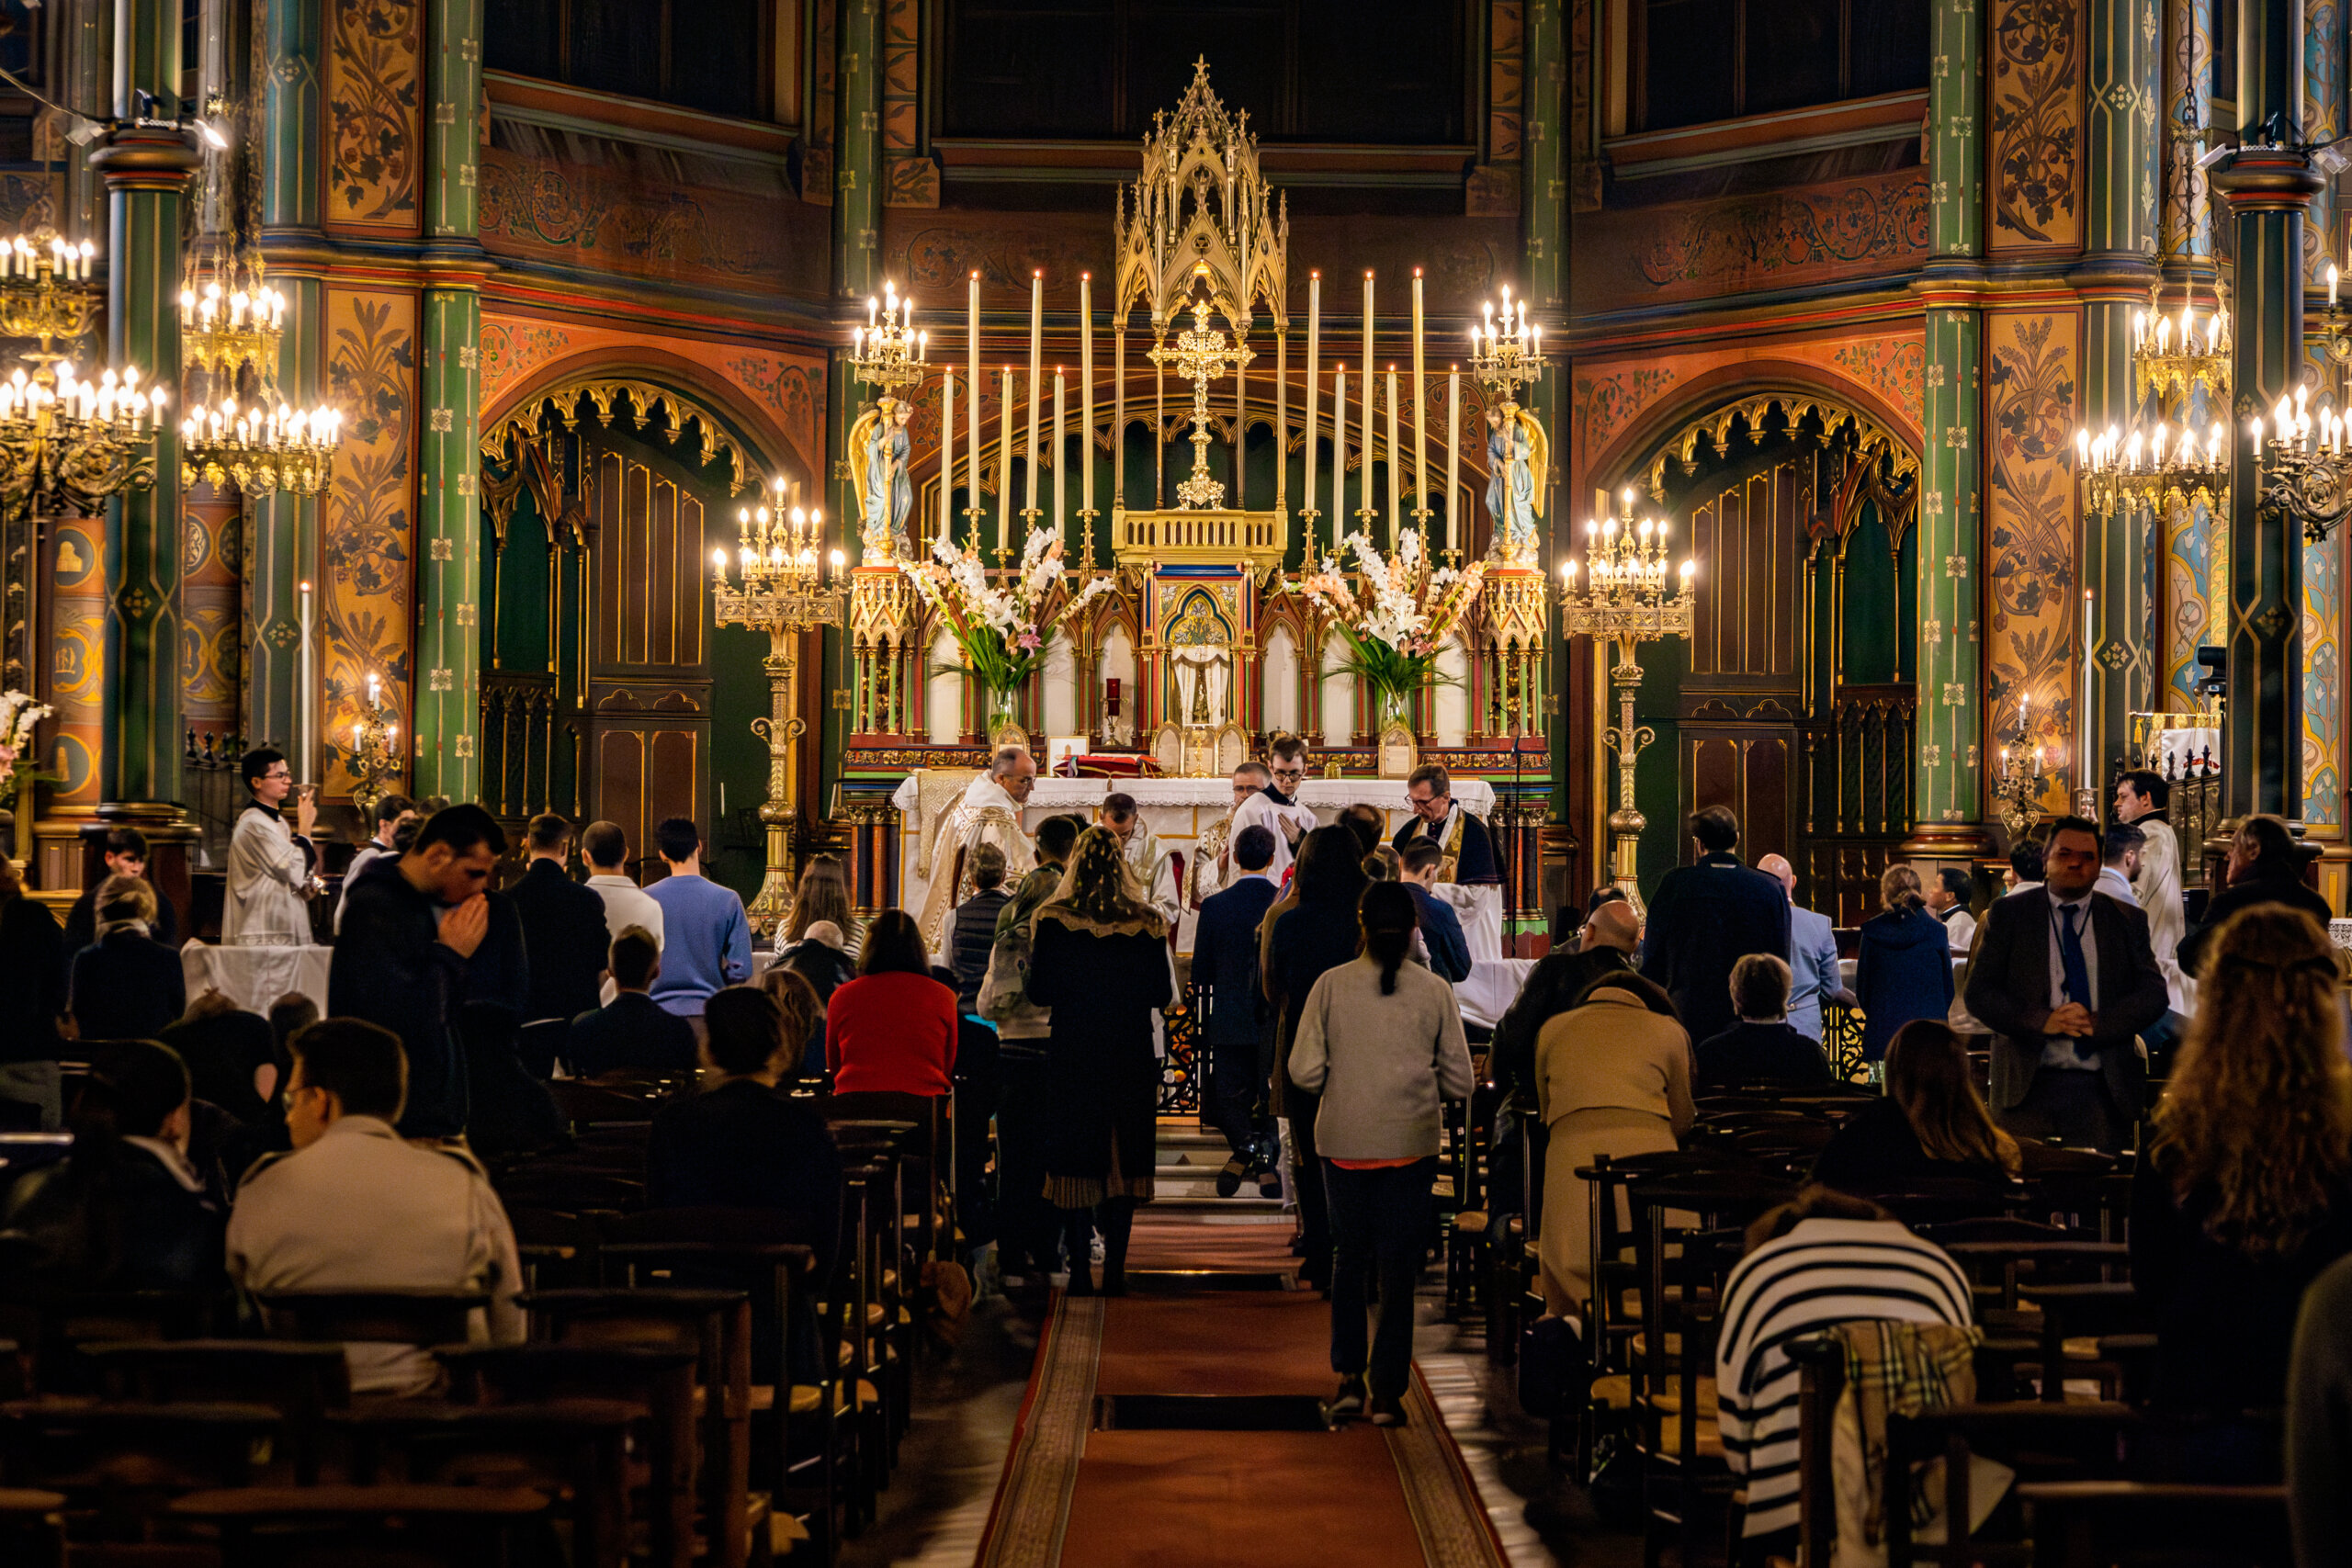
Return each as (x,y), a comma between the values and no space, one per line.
(269,864)
(1276,807)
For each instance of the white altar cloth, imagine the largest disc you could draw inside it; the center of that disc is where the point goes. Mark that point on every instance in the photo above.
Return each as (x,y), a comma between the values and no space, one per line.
(255,977)
(1180,810)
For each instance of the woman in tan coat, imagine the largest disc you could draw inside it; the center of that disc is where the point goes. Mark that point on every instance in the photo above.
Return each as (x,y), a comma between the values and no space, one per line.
(1613,1076)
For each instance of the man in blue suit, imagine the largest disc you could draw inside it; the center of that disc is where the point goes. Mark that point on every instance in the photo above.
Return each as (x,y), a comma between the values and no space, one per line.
(1706,917)
(1812,955)
(1233,1034)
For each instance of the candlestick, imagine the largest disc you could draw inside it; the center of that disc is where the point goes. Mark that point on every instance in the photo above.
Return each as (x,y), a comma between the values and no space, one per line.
(1086,394)
(1452,450)
(1037,363)
(1394,521)
(1314,370)
(1339,455)
(1005,466)
(947,452)
(1420,413)
(1061,457)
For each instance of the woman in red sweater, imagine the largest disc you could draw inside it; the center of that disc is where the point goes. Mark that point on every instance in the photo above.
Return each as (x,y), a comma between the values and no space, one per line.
(892,1030)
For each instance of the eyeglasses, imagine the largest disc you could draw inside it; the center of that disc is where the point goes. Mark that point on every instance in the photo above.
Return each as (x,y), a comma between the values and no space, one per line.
(278,776)
(1290,772)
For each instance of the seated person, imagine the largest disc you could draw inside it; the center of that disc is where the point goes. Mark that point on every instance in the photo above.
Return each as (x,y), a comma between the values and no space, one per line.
(356,1207)
(127,1211)
(125,854)
(1440,937)
(288,1016)
(126,985)
(1819,1259)
(632,1033)
(1931,1125)
(820,958)
(804,1016)
(893,1029)
(1762,1047)
(230,1053)
(742,1144)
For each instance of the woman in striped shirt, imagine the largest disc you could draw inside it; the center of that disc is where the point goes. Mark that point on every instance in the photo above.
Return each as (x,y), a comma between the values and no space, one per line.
(1819,1259)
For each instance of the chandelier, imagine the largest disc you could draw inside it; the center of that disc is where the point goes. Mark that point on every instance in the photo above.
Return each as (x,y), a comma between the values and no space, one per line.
(2181,364)
(65,440)
(785,580)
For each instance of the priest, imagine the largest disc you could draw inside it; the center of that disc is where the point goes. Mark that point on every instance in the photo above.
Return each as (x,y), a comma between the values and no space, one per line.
(1153,863)
(990,812)
(1468,847)
(1276,807)
(1209,873)
(270,865)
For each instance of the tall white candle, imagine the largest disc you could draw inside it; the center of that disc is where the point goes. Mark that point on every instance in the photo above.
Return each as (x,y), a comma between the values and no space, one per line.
(1371,394)
(1061,458)
(1421,407)
(302,700)
(1453,448)
(1338,456)
(1086,392)
(1395,467)
(1005,465)
(946,452)
(1314,370)
(1037,366)
(973,384)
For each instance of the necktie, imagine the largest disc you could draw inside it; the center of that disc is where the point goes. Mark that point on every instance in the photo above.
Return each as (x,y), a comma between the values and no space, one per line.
(2069,955)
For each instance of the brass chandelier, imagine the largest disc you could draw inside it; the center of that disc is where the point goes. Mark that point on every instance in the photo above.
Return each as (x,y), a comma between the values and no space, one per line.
(66,440)
(2181,365)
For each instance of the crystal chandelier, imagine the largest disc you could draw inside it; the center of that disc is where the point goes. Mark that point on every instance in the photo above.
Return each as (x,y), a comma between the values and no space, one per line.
(2181,457)
(65,440)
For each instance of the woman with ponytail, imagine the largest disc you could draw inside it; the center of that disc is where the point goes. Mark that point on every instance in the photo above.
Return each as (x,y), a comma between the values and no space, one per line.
(2245,1193)
(1903,967)
(1379,1039)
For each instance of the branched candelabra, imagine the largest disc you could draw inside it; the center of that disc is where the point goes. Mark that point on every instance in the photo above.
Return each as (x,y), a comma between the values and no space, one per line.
(2182,363)
(2018,785)
(785,583)
(1201,354)
(887,351)
(63,439)
(375,758)
(1626,600)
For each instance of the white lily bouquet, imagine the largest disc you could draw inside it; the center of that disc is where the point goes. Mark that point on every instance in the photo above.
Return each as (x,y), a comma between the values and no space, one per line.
(1396,614)
(1002,630)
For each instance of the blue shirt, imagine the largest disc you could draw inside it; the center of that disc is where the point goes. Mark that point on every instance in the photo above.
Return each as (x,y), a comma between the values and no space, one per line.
(705,941)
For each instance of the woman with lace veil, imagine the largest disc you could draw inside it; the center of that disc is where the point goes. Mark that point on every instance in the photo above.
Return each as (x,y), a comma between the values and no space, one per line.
(1099,960)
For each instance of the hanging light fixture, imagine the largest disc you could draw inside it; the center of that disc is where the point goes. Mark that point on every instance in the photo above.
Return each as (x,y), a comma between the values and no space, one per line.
(66,439)
(2180,368)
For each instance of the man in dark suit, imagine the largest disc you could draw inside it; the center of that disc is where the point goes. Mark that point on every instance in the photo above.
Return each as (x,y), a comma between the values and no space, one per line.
(634,1032)
(2067,980)
(1706,917)
(563,938)
(1224,976)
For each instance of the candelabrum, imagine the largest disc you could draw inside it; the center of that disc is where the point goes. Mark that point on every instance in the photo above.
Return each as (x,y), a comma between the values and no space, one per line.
(785,582)
(260,448)
(226,329)
(374,760)
(1505,358)
(65,439)
(1201,354)
(2017,786)
(2181,363)
(2306,476)
(1627,602)
(887,351)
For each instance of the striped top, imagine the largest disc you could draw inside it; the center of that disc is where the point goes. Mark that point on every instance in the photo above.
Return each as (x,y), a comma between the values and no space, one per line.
(1823,1272)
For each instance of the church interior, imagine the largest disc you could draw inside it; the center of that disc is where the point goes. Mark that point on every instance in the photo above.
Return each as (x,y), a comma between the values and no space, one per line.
(1902,424)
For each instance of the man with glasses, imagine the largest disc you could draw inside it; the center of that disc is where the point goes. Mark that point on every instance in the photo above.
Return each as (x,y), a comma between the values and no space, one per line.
(1467,867)
(1212,870)
(1276,807)
(269,864)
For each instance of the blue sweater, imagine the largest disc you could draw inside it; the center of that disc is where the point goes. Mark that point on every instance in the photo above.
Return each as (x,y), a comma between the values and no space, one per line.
(706,943)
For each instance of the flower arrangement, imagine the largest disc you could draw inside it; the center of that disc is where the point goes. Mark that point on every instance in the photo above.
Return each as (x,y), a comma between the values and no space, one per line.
(1002,630)
(1396,616)
(18,717)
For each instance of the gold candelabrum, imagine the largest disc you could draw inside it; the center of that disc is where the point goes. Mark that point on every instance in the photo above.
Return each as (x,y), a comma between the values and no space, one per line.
(65,440)
(232,323)
(2017,786)
(785,582)
(2306,474)
(1626,600)
(1505,358)
(887,351)
(2181,367)
(1201,354)
(375,757)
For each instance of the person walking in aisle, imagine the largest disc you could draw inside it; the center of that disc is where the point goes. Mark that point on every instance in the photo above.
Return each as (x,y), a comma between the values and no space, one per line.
(1317,933)
(972,932)
(1098,960)
(1232,1025)
(1028,1232)
(1380,1042)
(391,814)
(1707,917)
(1814,978)
(706,943)
(1902,963)
(564,939)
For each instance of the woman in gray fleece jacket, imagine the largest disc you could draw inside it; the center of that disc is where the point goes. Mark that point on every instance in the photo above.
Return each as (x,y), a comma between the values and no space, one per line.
(1381,1041)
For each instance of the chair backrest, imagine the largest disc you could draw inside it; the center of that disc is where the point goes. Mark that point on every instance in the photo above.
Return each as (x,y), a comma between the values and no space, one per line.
(423,1318)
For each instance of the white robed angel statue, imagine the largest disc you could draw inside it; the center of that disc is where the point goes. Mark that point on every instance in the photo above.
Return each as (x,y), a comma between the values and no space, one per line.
(1518,454)
(878,450)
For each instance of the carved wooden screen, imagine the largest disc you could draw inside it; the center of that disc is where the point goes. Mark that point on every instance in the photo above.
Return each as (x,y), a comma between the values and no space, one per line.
(1740,702)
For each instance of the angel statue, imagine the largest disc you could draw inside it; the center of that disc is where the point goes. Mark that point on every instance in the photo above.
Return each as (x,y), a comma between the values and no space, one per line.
(877,449)
(1517,459)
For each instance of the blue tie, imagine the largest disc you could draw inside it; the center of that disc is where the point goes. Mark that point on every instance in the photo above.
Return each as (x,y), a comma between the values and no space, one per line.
(2069,955)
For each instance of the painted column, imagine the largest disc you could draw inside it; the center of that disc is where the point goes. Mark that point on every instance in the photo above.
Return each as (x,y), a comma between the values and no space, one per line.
(2196,547)
(2266,190)
(448,697)
(1948,775)
(2118,263)
(1544,218)
(2325,40)
(285,527)
(857,259)
(146,175)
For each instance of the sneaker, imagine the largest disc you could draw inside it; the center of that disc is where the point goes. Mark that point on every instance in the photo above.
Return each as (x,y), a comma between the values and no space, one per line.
(1094,1250)
(1228,1181)
(1348,1402)
(1387,1412)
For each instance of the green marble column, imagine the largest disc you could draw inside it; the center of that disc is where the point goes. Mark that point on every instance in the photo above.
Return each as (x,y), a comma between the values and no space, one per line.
(2266,190)
(2119,265)
(446,722)
(857,273)
(2196,548)
(146,175)
(1948,772)
(2322,655)
(1543,217)
(285,527)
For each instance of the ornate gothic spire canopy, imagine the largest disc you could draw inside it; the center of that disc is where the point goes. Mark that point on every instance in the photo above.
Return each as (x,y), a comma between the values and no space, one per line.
(1202,208)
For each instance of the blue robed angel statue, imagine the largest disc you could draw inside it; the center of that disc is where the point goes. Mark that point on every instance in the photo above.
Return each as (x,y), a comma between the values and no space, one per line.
(1517,455)
(878,452)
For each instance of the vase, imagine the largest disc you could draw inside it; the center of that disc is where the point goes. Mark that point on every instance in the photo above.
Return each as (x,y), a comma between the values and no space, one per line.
(1004,726)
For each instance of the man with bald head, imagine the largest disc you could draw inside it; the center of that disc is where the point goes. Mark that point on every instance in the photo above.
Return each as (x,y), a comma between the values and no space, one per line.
(1610,934)
(1812,955)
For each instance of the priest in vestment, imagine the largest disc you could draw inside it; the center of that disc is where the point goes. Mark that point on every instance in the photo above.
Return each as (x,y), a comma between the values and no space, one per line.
(269,863)
(1154,865)
(1444,821)
(2140,800)
(990,812)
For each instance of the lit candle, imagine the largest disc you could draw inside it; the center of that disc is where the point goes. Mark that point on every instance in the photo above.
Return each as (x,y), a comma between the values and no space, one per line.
(1314,370)
(972,383)
(1453,448)
(1421,409)
(1370,394)
(1061,457)
(1037,366)
(1004,464)
(1395,467)
(1085,394)
(2332,276)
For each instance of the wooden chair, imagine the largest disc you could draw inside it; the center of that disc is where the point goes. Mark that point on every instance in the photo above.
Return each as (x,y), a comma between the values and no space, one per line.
(422,1318)
(119,1463)
(2100,1524)
(301,1381)
(462,1526)
(54,1324)
(2042,1441)
(32,1526)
